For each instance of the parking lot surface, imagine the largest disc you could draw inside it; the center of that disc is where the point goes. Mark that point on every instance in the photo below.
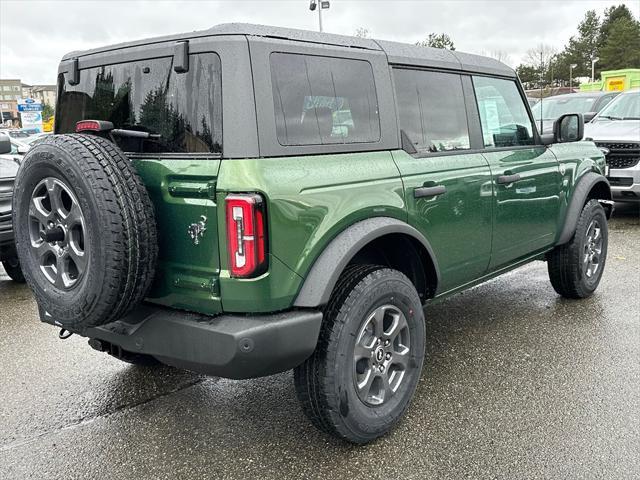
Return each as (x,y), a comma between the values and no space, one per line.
(517,383)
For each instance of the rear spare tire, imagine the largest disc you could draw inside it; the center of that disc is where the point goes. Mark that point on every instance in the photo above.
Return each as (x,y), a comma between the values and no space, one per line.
(85,230)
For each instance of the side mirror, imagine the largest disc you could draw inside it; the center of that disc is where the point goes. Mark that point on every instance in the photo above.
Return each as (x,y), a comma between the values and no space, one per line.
(5,144)
(569,128)
(589,116)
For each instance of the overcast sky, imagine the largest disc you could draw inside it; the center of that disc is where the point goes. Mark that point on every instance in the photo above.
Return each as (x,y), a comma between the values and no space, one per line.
(35,34)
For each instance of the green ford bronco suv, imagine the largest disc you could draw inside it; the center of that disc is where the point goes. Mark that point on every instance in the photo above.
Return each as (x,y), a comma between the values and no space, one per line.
(246,200)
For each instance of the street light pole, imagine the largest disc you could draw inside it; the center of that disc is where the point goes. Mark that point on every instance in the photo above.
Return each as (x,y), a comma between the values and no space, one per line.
(313,4)
(571,67)
(593,64)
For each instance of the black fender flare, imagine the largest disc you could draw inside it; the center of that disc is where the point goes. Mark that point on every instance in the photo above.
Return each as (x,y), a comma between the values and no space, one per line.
(578,199)
(324,273)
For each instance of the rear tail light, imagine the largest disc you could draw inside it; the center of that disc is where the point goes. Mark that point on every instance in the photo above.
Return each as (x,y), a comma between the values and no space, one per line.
(246,235)
(93,126)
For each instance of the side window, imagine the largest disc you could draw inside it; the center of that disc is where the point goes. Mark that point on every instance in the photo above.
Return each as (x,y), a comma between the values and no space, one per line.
(431,110)
(503,115)
(323,100)
(604,102)
(184,109)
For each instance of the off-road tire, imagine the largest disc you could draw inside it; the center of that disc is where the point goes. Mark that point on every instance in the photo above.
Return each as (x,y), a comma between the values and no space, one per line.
(565,262)
(325,382)
(120,226)
(12,267)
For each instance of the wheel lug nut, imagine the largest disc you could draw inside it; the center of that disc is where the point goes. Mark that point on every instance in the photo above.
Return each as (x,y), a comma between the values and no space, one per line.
(381,368)
(388,356)
(386,343)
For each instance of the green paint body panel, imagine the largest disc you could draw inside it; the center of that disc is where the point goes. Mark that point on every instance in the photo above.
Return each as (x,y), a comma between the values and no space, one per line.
(477,229)
(310,200)
(525,212)
(457,224)
(575,160)
(182,190)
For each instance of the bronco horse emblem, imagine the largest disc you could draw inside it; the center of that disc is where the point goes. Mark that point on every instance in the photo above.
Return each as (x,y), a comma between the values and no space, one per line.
(196,230)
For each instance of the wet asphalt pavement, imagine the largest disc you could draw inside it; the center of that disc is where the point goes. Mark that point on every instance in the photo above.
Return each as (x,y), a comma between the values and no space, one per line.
(517,383)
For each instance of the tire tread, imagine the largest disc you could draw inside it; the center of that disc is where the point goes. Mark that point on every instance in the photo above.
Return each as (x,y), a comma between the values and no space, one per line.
(127,228)
(564,261)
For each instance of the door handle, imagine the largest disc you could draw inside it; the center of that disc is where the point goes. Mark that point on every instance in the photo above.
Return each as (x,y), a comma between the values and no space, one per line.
(506,179)
(429,191)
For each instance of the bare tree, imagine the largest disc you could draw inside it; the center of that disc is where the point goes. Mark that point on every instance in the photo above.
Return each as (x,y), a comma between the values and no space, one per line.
(362,32)
(540,56)
(500,55)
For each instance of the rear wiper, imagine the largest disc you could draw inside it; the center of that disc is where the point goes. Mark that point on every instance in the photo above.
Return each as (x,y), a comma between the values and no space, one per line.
(119,132)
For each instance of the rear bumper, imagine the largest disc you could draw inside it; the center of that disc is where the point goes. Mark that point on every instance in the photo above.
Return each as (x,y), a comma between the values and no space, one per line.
(227,346)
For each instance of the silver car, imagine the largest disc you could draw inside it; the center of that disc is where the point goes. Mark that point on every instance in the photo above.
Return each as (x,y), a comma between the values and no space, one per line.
(547,111)
(616,130)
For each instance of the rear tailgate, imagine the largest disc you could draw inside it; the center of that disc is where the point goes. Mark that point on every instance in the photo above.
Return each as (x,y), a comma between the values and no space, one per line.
(183,192)
(179,162)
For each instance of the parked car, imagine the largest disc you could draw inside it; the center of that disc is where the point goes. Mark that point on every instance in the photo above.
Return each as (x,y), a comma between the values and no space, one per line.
(616,130)
(8,168)
(587,103)
(19,146)
(532,101)
(16,133)
(35,138)
(198,206)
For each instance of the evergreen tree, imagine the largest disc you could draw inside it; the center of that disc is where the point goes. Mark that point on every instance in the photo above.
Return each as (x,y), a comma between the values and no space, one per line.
(582,48)
(611,15)
(47,111)
(622,45)
(529,75)
(437,40)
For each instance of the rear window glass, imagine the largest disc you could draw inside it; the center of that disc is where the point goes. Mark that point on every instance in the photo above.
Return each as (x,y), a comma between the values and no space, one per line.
(323,100)
(184,109)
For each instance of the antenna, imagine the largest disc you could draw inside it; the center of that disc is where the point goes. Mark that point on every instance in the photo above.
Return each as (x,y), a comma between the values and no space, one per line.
(541,73)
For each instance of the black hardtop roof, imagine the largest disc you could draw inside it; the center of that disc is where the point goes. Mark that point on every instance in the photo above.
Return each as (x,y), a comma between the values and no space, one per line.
(400,53)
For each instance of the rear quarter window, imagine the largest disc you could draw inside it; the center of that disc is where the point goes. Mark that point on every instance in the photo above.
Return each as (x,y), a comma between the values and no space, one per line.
(323,100)
(185,109)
